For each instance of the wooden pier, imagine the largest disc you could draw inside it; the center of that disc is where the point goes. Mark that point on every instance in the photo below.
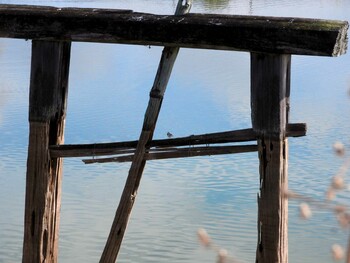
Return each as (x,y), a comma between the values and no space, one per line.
(271,42)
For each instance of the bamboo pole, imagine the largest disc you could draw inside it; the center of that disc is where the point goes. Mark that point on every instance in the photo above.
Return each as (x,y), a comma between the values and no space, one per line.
(47,108)
(99,149)
(270,85)
(127,200)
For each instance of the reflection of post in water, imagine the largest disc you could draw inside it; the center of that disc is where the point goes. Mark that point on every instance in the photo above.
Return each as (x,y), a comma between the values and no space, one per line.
(3,97)
(250,7)
(216,3)
(2,102)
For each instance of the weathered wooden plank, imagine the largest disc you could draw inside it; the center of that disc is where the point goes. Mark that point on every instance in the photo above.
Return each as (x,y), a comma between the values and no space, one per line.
(128,197)
(227,32)
(178,153)
(270,76)
(99,149)
(48,96)
(50,61)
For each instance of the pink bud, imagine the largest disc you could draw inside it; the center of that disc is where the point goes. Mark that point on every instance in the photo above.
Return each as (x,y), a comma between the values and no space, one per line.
(203,237)
(338,182)
(305,211)
(330,194)
(337,252)
(339,148)
(222,255)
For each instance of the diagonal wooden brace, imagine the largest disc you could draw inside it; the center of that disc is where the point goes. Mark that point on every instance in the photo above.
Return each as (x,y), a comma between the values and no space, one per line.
(127,200)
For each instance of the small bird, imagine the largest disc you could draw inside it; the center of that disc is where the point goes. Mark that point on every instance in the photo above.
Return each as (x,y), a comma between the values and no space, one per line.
(169,134)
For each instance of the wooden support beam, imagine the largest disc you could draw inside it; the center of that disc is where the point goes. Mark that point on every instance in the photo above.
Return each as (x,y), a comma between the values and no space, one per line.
(270,85)
(47,109)
(128,197)
(227,32)
(159,154)
(99,149)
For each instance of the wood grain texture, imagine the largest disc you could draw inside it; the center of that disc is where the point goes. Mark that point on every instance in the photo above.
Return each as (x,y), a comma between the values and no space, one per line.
(227,32)
(48,95)
(270,89)
(99,149)
(166,153)
(272,206)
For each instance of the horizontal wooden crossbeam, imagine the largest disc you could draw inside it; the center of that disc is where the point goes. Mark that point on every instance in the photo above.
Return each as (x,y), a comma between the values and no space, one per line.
(154,154)
(227,32)
(100,149)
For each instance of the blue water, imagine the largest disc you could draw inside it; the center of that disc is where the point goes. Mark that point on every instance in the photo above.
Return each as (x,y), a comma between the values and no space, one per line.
(208,92)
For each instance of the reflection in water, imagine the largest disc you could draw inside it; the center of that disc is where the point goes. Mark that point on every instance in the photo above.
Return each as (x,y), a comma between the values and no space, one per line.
(216,3)
(3,94)
(3,100)
(208,92)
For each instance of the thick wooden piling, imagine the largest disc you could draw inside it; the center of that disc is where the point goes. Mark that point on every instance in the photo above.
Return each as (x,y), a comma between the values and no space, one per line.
(270,85)
(47,109)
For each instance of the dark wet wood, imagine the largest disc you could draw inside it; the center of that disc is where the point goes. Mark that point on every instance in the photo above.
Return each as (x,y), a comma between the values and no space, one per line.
(269,88)
(227,32)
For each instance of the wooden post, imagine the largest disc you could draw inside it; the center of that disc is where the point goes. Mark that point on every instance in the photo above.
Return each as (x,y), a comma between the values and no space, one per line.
(47,109)
(270,85)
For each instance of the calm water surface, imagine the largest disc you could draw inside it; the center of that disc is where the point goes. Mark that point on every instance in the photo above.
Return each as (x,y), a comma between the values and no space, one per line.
(208,92)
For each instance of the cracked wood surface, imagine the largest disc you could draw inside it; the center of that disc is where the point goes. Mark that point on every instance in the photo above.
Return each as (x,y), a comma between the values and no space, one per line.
(270,90)
(287,35)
